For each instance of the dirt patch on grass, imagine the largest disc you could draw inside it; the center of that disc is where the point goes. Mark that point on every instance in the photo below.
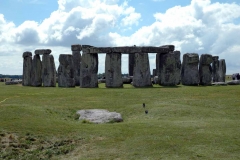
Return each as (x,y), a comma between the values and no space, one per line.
(34,147)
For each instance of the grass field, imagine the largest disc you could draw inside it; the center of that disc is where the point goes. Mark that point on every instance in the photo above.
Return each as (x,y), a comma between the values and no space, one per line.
(183,123)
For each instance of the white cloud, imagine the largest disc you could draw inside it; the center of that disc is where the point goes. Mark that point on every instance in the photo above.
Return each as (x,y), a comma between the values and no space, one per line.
(201,27)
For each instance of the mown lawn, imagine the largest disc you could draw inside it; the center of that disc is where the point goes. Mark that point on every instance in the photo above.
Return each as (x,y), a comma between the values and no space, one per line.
(183,123)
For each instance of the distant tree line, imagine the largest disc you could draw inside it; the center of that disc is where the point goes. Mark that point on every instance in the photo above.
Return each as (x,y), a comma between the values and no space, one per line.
(11,76)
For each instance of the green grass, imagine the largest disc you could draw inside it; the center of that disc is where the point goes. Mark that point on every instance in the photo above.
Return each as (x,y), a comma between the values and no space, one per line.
(183,123)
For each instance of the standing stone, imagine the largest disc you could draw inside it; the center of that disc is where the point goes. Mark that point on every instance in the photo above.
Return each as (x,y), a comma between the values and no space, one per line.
(76,62)
(48,71)
(113,71)
(215,68)
(189,72)
(131,59)
(66,71)
(156,79)
(36,71)
(27,66)
(205,69)
(222,70)
(154,73)
(89,70)
(141,71)
(169,68)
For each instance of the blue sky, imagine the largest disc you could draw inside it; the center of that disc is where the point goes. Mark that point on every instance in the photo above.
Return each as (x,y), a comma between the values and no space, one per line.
(193,26)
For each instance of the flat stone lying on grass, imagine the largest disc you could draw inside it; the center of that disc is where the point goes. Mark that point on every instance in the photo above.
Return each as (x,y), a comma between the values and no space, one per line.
(99,116)
(234,82)
(219,83)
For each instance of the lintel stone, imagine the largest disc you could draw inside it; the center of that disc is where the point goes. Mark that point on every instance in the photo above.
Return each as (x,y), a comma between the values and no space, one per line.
(43,51)
(27,54)
(76,47)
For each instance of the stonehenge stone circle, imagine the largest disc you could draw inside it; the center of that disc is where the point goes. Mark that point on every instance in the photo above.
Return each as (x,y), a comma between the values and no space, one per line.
(48,71)
(89,70)
(169,68)
(113,71)
(205,69)
(189,71)
(215,68)
(27,67)
(76,48)
(141,71)
(36,75)
(66,71)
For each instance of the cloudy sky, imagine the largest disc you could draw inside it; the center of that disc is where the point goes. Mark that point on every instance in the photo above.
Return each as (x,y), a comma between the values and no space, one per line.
(193,26)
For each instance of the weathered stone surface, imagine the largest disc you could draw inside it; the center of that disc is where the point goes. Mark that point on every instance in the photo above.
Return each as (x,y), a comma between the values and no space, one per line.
(89,70)
(27,54)
(169,68)
(66,71)
(154,73)
(219,83)
(128,49)
(27,66)
(77,63)
(48,71)
(36,71)
(205,69)
(234,82)
(127,80)
(157,67)
(76,47)
(215,68)
(141,71)
(42,51)
(222,70)
(99,116)
(113,70)
(131,62)
(189,72)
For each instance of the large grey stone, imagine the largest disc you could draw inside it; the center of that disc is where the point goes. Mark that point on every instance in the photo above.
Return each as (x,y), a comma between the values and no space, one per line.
(205,69)
(222,70)
(128,49)
(189,71)
(48,71)
(76,62)
(141,71)
(76,47)
(89,70)
(234,82)
(99,116)
(36,71)
(215,68)
(113,70)
(169,68)
(66,71)
(130,64)
(27,67)
(42,51)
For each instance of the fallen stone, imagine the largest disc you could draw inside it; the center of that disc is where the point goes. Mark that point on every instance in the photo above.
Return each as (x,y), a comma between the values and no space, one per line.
(234,82)
(99,116)
(219,83)
(127,80)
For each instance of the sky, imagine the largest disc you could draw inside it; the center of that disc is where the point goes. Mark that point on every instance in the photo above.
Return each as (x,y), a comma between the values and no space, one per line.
(193,26)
